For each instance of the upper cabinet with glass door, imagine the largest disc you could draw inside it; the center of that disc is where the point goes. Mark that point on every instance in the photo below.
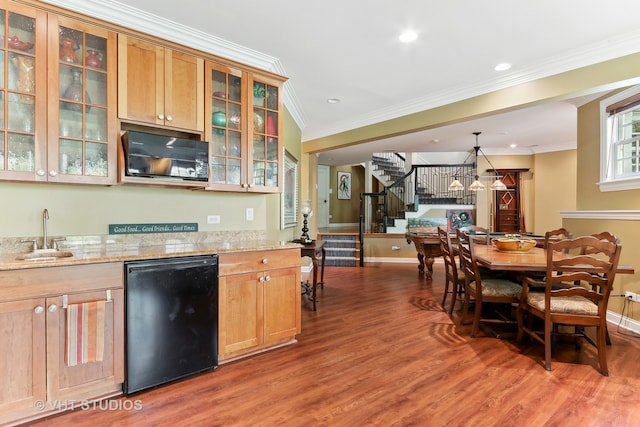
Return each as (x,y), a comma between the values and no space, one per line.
(244,122)
(82,102)
(22,95)
(266,147)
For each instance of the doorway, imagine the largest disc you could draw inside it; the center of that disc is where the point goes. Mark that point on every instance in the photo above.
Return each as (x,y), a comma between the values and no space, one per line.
(323,196)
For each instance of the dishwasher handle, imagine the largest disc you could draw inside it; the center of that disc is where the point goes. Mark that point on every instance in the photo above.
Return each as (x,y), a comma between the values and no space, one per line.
(171,263)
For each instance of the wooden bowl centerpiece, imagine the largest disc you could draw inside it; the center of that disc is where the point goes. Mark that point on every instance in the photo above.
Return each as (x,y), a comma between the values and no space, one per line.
(510,244)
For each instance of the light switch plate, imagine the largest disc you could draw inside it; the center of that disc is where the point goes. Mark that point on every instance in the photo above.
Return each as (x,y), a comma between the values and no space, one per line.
(249,214)
(213,219)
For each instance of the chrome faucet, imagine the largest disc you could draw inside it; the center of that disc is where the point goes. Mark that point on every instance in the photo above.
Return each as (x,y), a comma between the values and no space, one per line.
(45,218)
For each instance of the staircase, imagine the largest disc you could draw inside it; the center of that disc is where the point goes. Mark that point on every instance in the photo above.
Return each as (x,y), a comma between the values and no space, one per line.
(342,249)
(387,167)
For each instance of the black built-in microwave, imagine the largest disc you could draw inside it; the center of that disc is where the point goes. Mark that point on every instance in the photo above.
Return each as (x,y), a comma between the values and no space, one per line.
(150,155)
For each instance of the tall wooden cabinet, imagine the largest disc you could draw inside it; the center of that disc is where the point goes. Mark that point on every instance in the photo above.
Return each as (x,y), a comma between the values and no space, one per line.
(243,114)
(259,303)
(508,212)
(159,86)
(36,381)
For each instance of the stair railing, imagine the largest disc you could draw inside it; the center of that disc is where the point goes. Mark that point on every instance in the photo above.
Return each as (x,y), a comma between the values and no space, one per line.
(424,184)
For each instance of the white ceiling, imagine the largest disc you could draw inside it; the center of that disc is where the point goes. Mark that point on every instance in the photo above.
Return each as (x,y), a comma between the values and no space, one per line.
(350,50)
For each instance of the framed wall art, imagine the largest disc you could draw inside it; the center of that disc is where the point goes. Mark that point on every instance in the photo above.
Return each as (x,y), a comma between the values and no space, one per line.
(344,185)
(459,218)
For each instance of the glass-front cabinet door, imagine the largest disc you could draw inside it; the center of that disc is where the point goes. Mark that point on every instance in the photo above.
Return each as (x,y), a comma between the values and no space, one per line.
(226,120)
(22,94)
(266,152)
(243,125)
(82,121)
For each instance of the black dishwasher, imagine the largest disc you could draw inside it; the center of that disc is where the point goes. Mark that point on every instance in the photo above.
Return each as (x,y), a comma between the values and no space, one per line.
(171,316)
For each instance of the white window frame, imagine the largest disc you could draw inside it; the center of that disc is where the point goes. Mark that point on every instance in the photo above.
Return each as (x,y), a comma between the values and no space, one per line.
(608,182)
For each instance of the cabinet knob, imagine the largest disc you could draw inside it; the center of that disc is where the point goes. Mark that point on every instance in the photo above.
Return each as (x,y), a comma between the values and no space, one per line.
(245,185)
(53,173)
(169,117)
(39,309)
(40,172)
(261,279)
(52,308)
(161,116)
(268,278)
(264,260)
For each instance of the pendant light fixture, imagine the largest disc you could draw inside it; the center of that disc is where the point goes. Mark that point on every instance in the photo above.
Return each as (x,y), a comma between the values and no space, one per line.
(476,185)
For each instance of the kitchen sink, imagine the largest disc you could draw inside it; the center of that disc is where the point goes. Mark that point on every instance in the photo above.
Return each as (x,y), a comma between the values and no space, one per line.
(44,255)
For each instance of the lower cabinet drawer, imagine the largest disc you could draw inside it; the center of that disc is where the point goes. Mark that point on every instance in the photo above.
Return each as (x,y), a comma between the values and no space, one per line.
(245,262)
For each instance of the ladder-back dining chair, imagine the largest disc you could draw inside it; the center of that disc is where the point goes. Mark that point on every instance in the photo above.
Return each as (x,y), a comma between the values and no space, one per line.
(575,291)
(483,290)
(454,277)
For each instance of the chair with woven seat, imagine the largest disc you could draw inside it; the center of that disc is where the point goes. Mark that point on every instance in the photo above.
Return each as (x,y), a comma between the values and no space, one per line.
(588,265)
(483,290)
(454,278)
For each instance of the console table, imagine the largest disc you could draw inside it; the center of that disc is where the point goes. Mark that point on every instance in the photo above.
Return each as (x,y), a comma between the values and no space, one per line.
(314,250)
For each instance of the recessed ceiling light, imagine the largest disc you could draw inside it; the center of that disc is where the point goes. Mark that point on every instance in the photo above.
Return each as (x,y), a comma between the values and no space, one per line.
(408,36)
(513,145)
(333,100)
(502,67)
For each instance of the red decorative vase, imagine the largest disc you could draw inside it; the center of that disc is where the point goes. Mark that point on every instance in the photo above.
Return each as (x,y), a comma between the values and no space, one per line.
(271,127)
(93,59)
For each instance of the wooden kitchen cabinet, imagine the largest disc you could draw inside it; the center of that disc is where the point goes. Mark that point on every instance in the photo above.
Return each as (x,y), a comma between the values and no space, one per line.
(60,104)
(159,86)
(33,325)
(23,125)
(23,360)
(243,116)
(83,128)
(259,306)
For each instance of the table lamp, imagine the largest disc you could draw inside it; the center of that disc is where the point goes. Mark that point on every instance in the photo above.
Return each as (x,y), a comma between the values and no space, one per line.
(306,210)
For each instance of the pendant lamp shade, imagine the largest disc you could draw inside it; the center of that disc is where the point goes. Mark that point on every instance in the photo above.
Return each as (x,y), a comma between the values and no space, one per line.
(455,185)
(476,185)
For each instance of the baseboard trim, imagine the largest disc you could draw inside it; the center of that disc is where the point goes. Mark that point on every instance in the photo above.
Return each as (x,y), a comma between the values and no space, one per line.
(398,260)
(623,321)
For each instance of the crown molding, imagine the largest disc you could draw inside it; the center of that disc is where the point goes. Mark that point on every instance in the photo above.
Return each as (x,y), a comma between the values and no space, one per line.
(127,16)
(148,23)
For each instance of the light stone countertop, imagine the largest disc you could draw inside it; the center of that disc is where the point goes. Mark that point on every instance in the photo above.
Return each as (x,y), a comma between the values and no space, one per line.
(110,248)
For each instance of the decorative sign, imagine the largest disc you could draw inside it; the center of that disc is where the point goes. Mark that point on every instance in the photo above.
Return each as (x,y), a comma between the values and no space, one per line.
(178,227)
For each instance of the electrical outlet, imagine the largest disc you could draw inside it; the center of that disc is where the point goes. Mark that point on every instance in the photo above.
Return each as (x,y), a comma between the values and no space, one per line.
(213,219)
(632,296)
(249,214)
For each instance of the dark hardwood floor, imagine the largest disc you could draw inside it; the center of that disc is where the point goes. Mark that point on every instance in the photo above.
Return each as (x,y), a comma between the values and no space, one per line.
(381,351)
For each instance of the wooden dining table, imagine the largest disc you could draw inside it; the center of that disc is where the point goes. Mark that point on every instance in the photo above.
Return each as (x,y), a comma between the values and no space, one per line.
(534,260)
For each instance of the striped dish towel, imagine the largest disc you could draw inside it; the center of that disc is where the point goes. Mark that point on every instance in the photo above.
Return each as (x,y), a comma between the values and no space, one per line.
(85,333)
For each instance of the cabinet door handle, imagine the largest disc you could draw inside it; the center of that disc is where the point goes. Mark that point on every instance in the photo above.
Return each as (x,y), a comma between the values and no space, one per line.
(52,308)
(53,173)
(264,260)
(39,309)
(268,278)
(161,116)
(40,172)
(261,279)
(169,117)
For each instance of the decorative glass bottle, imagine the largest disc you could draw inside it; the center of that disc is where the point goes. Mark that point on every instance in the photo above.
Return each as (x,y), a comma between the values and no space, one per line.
(74,92)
